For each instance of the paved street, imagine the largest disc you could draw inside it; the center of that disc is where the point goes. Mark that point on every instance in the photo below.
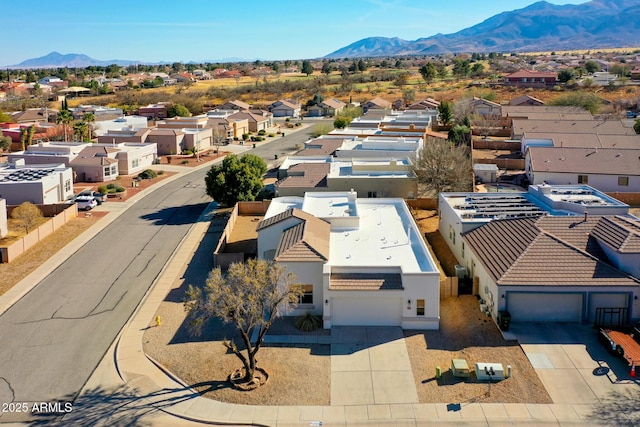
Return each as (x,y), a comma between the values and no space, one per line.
(54,336)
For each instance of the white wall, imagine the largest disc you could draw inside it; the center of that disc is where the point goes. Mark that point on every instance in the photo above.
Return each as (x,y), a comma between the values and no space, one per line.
(308,273)
(4,228)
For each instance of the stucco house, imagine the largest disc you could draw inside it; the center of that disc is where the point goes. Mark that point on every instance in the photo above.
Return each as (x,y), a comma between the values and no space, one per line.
(255,122)
(531,78)
(608,170)
(376,104)
(360,261)
(285,108)
(42,184)
(556,269)
(547,254)
(368,177)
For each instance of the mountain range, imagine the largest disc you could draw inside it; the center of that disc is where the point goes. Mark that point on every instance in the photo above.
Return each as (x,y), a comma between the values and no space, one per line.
(539,27)
(72,60)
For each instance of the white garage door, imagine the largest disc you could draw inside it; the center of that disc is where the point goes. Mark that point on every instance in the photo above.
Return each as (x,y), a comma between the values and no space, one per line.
(605,301)
(541,307)
(365,311)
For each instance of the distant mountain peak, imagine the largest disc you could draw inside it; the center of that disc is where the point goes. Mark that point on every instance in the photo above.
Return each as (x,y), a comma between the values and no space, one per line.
(539,26)
(59,60)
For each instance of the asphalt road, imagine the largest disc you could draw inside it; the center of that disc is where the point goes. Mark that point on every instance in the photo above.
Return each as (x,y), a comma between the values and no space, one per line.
(54,337)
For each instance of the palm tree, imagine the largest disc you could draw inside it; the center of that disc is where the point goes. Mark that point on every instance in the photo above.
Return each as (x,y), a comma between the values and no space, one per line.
(64,118)
(89,119)
(80,129)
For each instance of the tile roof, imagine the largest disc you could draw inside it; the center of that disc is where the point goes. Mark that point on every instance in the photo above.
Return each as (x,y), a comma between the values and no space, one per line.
(321,147)
(585,160)
(365,282)
(306,241)
(622,234)
(602,127)
(333,103)
(546,251)
(289,213)
(306,175)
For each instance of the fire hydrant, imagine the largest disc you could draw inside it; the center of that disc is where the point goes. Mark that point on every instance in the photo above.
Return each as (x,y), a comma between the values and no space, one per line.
(158,320)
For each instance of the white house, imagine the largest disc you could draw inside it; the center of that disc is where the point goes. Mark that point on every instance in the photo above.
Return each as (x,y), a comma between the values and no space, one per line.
(554,268)
(555,253)
(360,261)
(608,170)
(460,213)
(41,184)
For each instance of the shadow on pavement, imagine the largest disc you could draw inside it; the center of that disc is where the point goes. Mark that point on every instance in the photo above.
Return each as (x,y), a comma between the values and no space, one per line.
(618,409)
(182,215)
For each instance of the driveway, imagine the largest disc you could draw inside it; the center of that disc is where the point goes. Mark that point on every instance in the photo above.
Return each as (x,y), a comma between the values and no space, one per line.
(575,367)
(370,365)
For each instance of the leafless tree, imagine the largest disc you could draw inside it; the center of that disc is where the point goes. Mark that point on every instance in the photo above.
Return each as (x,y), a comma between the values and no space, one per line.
(443,166)
(28,213)
(249,295)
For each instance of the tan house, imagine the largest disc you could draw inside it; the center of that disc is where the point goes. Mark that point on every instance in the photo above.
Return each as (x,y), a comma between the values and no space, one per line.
(255,122)
(371,178)
(285,108)
(376,104)
(168,141)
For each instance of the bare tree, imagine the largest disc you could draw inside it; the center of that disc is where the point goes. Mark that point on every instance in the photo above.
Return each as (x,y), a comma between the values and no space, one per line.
(219,138)
(249,295)
(28,213)
(443,166)
(483,124)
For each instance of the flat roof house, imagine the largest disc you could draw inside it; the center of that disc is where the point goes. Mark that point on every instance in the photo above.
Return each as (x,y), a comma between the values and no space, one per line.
(41,185)
(368,177)
(361,261)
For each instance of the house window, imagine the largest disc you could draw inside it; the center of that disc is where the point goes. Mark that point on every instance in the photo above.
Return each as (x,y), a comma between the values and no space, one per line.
(67,185)
(372,194)
(420,307)
(623,181)
(462,250)
(113,170)
(107,171)
(583,179)
(307,296)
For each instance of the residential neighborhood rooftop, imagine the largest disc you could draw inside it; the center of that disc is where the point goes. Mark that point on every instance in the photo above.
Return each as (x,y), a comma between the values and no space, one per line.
(554,200)
(364,232)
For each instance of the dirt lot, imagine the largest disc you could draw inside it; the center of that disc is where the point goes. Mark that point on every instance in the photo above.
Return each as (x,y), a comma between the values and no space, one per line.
(466,333)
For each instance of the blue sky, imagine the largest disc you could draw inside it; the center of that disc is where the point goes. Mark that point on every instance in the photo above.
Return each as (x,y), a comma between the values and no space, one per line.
(168,31)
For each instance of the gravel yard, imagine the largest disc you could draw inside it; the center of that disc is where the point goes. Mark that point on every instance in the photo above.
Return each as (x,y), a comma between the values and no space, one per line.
(466,333)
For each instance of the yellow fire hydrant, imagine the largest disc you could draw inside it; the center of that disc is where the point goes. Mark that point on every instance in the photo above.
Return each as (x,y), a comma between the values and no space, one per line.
(158,320)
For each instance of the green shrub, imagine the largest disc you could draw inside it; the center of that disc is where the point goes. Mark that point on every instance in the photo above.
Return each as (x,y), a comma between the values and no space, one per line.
(245,136)
(103,189)
(111,186)
(185,162)
(271,135)
(308,322)
(147,174)
(262,132)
